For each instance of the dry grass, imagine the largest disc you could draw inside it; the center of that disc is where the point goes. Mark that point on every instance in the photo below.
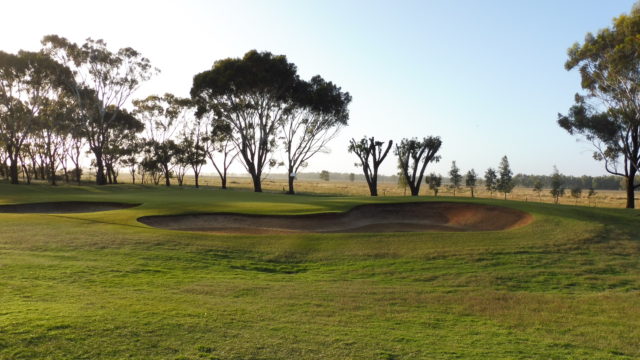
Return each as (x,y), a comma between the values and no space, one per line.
(603,198)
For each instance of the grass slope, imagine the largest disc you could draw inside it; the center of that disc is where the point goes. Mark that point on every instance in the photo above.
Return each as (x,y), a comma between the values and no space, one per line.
(103,286)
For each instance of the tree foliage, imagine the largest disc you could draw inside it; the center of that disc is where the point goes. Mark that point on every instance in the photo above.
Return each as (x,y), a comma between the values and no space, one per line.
(371,154)
(414,155)
(608,113)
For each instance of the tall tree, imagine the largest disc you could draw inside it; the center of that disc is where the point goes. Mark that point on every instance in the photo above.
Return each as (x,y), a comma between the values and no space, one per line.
(103,80)
(192,149)
(414,155)
(163,116)
(608,114)
(371,154)
(491,181)
(28,81)
(252,95)
(505,182)
(470,181)
(455,177)
(220,149)
(318,112)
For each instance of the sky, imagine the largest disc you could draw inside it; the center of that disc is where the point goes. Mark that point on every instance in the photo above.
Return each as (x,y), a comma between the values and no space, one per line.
(487,77)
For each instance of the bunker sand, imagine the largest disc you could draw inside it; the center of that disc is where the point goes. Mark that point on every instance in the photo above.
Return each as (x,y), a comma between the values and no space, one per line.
(374,218)
(65,207)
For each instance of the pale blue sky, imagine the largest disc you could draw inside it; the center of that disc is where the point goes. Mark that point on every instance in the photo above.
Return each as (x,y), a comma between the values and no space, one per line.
(486,76)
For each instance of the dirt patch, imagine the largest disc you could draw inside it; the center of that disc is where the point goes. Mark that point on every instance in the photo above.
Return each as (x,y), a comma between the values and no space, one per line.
(65,207)
(374,218)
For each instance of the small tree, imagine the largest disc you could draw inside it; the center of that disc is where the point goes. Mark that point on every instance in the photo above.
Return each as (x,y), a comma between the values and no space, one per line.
(505,181)
(470,181)
(352,177)
(454,177)
(414,155)
(434,181)
(490,180)
(324,175)
(402,181)
(557,188)
(537,188)
(369,150)
(576,193)
(592,194)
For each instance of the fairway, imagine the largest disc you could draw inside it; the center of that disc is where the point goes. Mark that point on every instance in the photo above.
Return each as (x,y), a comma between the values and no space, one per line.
(102,285)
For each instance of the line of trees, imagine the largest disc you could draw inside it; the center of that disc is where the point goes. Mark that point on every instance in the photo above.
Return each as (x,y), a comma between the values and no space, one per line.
(70,99)
(413,157)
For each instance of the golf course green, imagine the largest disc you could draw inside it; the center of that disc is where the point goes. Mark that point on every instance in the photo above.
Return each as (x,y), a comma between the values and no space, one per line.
(102,285)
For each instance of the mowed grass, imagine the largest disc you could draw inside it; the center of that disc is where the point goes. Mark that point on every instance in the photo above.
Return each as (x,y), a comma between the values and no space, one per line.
(103,286)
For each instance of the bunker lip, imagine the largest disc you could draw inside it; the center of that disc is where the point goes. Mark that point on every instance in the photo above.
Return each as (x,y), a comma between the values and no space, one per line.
(370,218)
(63,207)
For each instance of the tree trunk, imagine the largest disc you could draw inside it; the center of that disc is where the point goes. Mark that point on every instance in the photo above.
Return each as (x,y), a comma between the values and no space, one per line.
(13,170)
(167,176)
(257,184)
(631,201)
(101,179)
(291,189)
(196,175)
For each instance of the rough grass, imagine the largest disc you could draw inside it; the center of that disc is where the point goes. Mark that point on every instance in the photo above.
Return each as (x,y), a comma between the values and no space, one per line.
(102,286)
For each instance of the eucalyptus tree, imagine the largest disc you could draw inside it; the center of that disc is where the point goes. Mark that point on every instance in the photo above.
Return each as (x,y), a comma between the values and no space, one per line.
(414,155)
(102,80)
(220,148)
(123,142)
(252,95)
(608,113)
(28,80)
(318,111)
(163,116)
(192,147)
(371,154)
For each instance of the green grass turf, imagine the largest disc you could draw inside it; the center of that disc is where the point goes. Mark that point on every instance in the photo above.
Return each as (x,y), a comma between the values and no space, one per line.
(103,286)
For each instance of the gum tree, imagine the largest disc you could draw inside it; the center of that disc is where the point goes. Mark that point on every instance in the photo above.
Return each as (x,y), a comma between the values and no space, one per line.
(103,81)
(252,95)
(318,112)
(28,83)
(414,155)
(371,154)
(608,112)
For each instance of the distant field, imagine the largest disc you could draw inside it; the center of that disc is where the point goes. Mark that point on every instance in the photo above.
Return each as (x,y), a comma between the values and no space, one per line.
(103,286)
(603,198)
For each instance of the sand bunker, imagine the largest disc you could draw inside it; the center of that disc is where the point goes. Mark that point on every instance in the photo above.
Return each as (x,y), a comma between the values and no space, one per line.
(407,217)
(65,207)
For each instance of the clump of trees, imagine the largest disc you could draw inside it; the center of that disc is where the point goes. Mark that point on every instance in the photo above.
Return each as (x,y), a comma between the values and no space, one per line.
(263,102)
(67,98)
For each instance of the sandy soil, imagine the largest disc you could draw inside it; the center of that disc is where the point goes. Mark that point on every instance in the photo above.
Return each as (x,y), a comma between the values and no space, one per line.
(63,207)
(407,217)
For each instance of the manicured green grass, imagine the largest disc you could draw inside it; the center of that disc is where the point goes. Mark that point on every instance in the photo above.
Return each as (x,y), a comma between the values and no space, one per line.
(103,286)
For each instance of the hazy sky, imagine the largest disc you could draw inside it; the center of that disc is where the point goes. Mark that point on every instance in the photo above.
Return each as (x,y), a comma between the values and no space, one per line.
(486,76)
